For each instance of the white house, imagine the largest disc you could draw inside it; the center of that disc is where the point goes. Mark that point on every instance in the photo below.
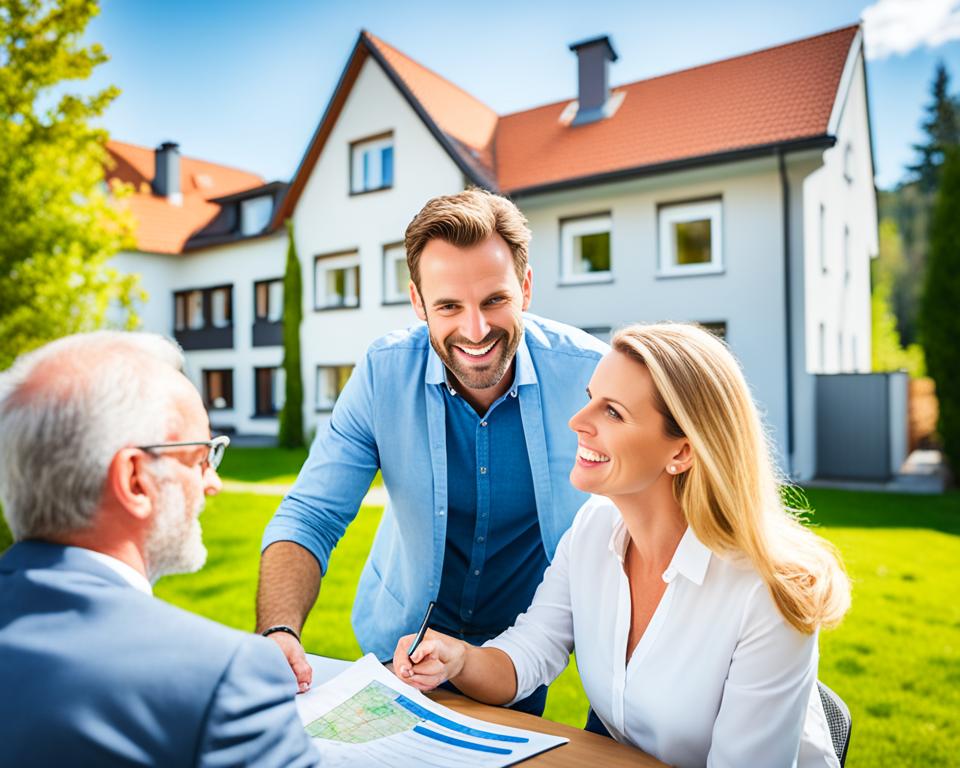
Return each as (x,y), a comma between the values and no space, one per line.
(738,194)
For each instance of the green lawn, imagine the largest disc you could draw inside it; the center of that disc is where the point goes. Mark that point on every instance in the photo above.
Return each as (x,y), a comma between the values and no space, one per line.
(266,465)
(895,660)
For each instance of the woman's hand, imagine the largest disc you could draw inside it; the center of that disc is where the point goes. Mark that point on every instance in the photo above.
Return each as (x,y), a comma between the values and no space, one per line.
(437,659)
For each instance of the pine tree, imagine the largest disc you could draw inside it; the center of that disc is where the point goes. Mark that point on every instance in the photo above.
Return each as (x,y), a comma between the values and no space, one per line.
(290,434)
(942,127)
(939,318)
(60,223)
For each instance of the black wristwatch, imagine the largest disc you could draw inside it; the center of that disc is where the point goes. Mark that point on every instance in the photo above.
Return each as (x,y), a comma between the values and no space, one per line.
(281,628)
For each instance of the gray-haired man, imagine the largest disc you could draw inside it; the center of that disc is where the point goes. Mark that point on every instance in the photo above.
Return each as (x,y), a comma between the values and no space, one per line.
(105,459)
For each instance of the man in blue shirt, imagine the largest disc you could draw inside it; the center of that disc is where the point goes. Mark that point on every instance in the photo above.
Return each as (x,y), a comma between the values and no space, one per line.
(467,419)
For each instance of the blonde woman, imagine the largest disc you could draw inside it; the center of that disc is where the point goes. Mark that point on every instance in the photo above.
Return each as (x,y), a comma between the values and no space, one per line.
(692,597)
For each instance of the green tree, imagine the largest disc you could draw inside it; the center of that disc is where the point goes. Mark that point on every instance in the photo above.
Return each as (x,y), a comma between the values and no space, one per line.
(942,127)
(290,434)
(887,353)
(61,224)
(939,318)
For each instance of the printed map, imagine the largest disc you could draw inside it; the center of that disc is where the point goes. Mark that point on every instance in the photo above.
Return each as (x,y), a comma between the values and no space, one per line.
(371,713)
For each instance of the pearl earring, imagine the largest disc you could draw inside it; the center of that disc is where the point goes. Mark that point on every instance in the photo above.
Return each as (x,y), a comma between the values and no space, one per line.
(672,469)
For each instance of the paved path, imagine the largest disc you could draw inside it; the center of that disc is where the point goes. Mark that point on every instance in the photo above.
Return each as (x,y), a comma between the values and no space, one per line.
(376,496)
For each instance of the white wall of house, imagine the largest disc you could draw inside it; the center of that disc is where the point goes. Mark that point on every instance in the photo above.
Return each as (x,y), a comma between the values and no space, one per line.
(840,237)
(239,264)
(156,270)
(329,220)
(747,294)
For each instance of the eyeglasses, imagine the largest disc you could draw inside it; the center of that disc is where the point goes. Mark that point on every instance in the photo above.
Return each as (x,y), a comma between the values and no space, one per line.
(215,449)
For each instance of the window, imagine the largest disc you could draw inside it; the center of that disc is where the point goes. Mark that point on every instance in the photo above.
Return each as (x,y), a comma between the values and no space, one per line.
(717,327)
(848,163)
(268,300)
(823,238)
(396,276)
(690,238)
(331,379)
(269,386)
(218,389)
(255,214)
(585,249)
(371,164)
(203,308)
(602,332)
(337,281)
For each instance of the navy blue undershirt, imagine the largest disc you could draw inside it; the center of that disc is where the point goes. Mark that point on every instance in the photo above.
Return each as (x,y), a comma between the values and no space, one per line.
(494,557)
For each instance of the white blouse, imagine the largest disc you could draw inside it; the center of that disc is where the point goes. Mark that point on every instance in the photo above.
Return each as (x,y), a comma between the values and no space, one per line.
(718,678)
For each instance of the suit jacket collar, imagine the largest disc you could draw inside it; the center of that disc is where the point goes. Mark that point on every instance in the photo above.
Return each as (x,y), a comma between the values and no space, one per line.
(35,554)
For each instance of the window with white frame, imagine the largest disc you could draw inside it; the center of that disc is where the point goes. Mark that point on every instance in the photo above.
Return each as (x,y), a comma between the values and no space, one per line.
(585,249)
(396,275)
(691,238)
(268,296)
(269,391)
(371,164)
(337,281)
(331,379)
(255,214)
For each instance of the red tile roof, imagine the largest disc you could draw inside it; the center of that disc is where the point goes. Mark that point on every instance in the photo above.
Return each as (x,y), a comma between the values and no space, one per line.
(460,116)
(776,97)
(773,96)
(163,227)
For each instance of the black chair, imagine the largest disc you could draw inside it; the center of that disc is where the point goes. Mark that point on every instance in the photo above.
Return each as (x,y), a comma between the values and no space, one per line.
(839,720)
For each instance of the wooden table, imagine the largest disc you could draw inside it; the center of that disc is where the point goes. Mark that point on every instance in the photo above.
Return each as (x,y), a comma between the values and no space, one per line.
(584,748)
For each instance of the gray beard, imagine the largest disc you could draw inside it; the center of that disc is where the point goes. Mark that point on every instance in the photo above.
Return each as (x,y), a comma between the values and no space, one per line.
(175,542)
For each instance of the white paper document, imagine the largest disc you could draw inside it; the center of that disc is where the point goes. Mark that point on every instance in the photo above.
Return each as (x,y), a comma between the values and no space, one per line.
(366,716)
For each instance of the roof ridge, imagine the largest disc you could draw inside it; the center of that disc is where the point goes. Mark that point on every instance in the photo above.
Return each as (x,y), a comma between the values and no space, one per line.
(378,41)
(191,158)
(693,68)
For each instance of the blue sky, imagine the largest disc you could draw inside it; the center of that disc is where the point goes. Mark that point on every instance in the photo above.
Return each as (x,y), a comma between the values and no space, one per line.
(244,83)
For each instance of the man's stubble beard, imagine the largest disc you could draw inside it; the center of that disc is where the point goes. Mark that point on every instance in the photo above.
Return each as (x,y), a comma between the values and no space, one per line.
(491,376)
(175,542)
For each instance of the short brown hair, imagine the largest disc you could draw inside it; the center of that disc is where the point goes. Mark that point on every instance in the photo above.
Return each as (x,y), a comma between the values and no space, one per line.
(465,219)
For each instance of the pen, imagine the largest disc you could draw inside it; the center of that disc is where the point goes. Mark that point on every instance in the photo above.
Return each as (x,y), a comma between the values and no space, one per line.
(423,629)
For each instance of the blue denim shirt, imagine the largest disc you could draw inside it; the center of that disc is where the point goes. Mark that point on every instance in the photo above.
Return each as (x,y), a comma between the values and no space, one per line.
(391,415)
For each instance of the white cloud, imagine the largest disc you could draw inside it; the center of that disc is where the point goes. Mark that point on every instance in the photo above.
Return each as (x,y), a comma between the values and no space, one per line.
(899,26)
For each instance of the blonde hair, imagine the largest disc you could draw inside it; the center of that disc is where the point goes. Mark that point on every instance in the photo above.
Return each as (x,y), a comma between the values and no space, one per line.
(465,219)
(730,496)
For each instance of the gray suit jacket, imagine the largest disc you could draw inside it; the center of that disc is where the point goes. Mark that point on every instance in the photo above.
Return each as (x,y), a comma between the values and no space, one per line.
(95,673)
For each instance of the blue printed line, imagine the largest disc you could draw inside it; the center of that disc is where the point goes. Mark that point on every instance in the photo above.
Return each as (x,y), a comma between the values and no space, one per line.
(426,714)
(459,742)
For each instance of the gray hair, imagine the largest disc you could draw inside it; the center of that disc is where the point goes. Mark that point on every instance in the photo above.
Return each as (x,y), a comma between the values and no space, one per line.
(65,410)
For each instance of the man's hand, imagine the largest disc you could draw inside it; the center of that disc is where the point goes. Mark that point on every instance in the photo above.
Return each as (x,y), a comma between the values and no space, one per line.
(296,658)
(437,659)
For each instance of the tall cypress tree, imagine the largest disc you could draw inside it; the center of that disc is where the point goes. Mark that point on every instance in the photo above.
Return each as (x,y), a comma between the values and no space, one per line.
(939,318)
(290,434)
